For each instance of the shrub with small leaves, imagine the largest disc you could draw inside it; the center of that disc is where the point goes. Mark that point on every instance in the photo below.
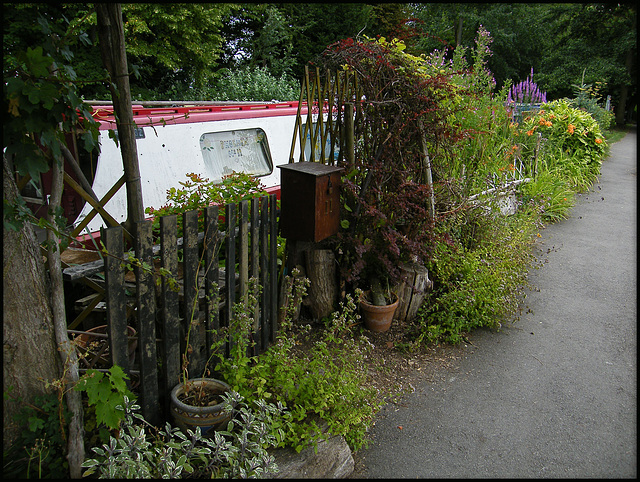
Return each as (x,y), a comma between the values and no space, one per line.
(142,451)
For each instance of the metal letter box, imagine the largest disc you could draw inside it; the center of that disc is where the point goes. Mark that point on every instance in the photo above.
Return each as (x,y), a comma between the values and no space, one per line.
(309,201)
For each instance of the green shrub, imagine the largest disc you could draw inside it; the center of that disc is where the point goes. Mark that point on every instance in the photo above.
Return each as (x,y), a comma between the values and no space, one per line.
(142,451)
(40,449)
(326,382)
(569,132)
(477,287)
(198,192)
(549,195)
(254,84)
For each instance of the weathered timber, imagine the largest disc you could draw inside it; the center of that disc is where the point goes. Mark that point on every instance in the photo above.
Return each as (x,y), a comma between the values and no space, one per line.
(146,305)
(412,291)
(323,290)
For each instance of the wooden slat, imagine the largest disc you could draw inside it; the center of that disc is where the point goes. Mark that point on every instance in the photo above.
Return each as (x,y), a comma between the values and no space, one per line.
(243,251)
(116,310)
(192,318)
(273,267)
(114,189)
(230,263)
(169,316)
(99,207)
(264,274)
(212,243)
(255,256)
(146,304)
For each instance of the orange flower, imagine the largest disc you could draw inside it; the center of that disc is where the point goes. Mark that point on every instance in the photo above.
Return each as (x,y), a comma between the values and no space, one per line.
(571,128)
(598,140)
(530,133)
(542,122)
(548,124)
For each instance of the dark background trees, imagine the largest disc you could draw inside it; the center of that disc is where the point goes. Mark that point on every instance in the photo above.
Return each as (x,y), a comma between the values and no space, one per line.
(180,51)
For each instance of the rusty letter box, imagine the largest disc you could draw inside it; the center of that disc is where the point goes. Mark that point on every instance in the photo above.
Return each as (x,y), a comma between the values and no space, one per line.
(309,201)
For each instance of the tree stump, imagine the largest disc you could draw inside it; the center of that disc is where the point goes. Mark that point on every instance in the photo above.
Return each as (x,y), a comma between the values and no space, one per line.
(412,291)
(323,292)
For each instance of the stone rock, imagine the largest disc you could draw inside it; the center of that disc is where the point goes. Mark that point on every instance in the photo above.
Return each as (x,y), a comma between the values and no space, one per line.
(333,460)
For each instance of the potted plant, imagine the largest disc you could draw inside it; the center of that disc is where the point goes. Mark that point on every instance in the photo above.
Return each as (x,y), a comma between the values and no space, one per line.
(199,402)
(93,346)
(378,307)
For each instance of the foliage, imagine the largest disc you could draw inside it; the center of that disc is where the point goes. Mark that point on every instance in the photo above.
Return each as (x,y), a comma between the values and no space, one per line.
(327,382)
(42,104)
(253,84)
(407,103)
(550,195)
(587,97)
(573,140)
(198,193)
(238,452)
(40,449)
(597,37)
(476,286)
(105,391)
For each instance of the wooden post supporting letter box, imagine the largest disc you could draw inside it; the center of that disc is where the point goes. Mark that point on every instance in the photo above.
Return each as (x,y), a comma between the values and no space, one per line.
(310,201)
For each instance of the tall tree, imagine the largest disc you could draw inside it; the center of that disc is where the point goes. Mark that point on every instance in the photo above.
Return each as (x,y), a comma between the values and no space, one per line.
(320,24)
(597,40)
(174,45)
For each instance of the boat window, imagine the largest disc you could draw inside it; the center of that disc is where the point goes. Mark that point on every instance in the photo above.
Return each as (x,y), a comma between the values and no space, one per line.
(244,150)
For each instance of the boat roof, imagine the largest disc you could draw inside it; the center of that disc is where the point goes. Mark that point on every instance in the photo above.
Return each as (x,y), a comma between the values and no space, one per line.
(146,115)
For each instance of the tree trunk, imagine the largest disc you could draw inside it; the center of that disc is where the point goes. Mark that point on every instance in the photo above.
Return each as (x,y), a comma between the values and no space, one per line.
(29,351)
(323,291)
(114,57)
(67,352)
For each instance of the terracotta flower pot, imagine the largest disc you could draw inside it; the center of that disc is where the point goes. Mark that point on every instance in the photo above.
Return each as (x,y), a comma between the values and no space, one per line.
(209,418)
(96,348)
(378,318)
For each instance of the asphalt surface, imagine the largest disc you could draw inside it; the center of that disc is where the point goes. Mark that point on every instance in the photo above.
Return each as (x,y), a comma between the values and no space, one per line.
(552,395)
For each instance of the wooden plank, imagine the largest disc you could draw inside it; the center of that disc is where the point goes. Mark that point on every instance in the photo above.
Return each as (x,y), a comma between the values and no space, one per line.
(255,256)
(114,189)
(264,274)
(146,305)
(88,198)
(230,263)
(192,317)
(212,243)
(243,251)
(273,267)
(169,316)
(115,297)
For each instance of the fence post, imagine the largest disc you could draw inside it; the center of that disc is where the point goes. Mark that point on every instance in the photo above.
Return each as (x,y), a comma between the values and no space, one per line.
(264,273)
(115,297)
(169,317)
(273,266)
(211,249)
(230,264)
(192,316)
(146,305)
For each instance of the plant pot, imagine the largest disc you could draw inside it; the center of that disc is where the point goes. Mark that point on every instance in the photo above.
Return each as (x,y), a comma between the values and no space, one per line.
(378,318)
(96,348)
(209,418)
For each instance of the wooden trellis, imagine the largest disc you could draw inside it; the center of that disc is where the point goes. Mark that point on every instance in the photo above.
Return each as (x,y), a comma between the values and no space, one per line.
(333,104)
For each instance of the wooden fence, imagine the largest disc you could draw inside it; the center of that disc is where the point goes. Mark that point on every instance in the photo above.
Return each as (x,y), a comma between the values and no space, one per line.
(248,245)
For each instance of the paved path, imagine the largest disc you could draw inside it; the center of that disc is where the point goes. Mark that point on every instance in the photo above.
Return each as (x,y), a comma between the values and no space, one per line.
(554,394)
